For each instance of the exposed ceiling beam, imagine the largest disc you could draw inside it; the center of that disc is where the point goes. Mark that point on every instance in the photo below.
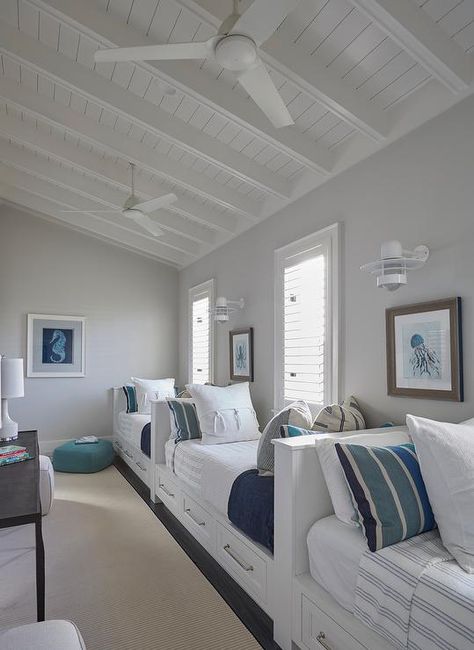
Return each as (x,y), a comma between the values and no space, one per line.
(61,192)
(320,83)
(332,92)
(36,195)
(105,169)
(149,116)
(100,169)
(113,142)
(23,201)
(97,196)
(418,34)
(110,30)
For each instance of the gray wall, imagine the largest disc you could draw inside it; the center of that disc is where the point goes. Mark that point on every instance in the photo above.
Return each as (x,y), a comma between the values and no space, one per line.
(130,303)
(419,190)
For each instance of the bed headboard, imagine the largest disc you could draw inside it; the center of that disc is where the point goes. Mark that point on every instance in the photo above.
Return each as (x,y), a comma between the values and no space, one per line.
(119,403)
(160,427)
(301,498)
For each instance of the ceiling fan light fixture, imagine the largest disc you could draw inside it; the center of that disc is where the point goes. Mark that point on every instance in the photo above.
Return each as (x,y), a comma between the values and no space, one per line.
(236,52)
(235,47)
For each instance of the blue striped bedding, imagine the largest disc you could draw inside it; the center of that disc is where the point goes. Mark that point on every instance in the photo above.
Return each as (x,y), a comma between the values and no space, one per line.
(416,595)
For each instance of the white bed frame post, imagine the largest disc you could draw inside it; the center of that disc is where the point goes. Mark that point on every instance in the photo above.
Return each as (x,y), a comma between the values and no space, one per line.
(153,451)
(301,497)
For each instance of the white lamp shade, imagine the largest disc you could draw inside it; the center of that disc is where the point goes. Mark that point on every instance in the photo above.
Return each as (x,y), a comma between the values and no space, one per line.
(12,378)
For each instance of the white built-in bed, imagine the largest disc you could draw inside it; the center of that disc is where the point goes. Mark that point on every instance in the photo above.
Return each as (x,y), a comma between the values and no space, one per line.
(308,586)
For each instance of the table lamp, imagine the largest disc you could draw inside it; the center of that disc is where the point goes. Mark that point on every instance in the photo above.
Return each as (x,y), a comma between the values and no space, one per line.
(12,386)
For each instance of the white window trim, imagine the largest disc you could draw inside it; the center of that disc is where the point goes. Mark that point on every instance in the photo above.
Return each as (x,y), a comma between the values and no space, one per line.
(207,288)
(329,238)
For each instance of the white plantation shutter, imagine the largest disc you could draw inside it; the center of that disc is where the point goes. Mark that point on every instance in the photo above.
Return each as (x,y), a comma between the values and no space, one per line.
(305,320)
(304,330)
(201,333)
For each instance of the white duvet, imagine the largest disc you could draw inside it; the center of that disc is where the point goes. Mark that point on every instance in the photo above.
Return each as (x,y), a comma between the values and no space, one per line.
(130,425)
(210,470)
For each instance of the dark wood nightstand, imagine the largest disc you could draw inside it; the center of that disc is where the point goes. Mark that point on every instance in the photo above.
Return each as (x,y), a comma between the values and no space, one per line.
(21,504)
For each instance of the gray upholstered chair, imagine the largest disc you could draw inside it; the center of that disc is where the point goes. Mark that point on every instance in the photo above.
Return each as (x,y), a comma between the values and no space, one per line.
(50,635)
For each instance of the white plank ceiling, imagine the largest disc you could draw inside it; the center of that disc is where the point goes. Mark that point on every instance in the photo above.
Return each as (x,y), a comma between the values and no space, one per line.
(354,74)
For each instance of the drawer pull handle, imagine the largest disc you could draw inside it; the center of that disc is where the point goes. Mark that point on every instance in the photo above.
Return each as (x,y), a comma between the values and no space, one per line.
(236,558)
(142,467)
(165,490)
(191,516)
(321,639)
(127,453)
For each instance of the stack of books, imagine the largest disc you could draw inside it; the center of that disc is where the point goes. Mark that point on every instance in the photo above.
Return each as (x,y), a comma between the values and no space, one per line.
(12,454)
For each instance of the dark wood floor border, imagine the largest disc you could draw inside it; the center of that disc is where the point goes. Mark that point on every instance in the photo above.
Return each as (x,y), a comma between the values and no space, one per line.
(259,624)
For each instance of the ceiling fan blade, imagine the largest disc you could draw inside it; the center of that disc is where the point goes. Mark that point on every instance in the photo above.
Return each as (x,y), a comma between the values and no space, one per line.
(173,51)
(155,204)
(146,223)
(263,18)
(116,211)
(259,85)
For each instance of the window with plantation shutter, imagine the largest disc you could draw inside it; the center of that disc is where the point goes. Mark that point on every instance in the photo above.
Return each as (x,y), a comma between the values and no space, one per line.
(306,320)
(201,333)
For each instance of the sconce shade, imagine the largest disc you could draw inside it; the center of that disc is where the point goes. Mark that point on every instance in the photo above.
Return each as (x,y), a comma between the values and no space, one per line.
(12,378)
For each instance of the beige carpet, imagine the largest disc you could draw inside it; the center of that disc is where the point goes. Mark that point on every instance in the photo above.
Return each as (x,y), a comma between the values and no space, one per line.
(116,572)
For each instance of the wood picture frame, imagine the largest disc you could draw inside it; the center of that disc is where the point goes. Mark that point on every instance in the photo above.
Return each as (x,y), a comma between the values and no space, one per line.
(241,354)
(424,350)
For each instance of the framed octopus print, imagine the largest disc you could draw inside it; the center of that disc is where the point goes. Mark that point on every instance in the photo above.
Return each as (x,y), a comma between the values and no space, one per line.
(424,350)
(241,354)
(55,346)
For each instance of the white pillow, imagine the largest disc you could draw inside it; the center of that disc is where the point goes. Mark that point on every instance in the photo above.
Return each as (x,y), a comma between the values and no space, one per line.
(446,456)
(148,389)
(225,414)
(334,474)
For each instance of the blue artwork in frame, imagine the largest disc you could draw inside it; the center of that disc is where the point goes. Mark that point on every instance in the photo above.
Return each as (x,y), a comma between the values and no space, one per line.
(241,354)
(57,345)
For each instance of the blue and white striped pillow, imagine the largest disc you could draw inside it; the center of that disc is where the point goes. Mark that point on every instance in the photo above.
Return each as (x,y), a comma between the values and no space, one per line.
(131,397)
(184,417)
(388,492)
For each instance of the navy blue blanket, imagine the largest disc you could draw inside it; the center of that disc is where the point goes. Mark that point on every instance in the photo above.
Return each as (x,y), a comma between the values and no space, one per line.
(251,508)
(145,443)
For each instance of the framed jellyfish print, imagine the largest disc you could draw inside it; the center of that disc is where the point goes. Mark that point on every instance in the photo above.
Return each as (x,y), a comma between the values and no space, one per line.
(55,346)
(241,354)
(424,350)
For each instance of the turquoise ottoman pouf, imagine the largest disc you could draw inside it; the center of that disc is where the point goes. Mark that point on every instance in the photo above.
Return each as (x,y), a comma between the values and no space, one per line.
(83,459)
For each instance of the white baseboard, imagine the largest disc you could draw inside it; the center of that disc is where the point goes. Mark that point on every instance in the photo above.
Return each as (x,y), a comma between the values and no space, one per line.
(47,447)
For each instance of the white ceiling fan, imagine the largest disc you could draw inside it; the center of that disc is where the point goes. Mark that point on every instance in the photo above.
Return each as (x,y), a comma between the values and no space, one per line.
(138,211)
(235,48)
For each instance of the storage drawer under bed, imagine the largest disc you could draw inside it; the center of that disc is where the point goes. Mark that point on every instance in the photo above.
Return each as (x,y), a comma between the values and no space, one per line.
(168,491)
(242,563)
(198,520)
(319,631)
(135,459)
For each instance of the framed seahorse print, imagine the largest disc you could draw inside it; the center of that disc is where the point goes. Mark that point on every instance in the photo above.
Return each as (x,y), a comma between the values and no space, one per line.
(55,346)
(241,354)
(424,350)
